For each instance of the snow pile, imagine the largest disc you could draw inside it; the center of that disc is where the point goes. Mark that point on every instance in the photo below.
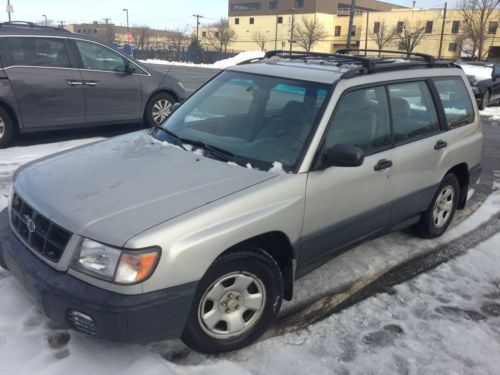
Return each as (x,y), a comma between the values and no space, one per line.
(493,113)
(221,64)
(480,72)
(277,168)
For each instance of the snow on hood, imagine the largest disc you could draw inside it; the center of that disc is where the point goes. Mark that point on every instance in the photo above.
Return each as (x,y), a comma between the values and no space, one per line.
(112,190)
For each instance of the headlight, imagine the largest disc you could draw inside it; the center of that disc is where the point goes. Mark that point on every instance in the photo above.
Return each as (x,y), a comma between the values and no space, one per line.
(112,264)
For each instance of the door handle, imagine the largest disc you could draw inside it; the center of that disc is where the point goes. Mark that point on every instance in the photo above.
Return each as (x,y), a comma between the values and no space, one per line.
(74,83)
(91,83)
(382,164)
(440,144)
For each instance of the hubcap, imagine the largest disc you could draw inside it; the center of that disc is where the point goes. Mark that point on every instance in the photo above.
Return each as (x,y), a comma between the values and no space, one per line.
(232,305)
(443,206)
(2,128)
(161,110)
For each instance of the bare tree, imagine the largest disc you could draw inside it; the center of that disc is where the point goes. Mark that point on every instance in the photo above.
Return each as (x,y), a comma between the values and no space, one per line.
(220,35)
(308,32)
(409,38)
(476,15)
(260,38)
(141,36)
(383,36)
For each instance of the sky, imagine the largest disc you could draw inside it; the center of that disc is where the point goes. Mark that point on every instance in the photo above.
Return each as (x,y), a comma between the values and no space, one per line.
(161,14)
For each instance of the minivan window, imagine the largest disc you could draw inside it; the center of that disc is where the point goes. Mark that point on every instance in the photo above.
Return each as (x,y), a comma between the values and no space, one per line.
(47,52)
(456,101)
(97,57)
(361,119)
(413,111)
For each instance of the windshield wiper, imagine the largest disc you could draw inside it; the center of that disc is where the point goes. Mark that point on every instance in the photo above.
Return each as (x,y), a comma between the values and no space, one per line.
(178,140)
(218,152)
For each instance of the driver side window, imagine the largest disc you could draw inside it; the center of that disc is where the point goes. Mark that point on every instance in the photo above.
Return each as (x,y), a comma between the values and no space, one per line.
(361,119)
(97,57)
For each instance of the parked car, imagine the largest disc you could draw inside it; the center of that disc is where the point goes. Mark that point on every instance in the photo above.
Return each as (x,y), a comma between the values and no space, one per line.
(486,90)
(52,79)
(198,228)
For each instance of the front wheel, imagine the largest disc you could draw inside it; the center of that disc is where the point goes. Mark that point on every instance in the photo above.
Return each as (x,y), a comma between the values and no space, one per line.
(159,107)
(7,129)
(485,100)
(235,303)
(434,222)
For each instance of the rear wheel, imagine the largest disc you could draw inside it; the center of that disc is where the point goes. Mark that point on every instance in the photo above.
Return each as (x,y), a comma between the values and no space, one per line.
(485,100)
(236,302)
(159,108)
(7,128)
(434,222)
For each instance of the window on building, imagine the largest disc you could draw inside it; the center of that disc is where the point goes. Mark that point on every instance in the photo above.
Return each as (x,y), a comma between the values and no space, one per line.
(492,27)
(236,21)
(95,31)
(353,31)
(376,27)
(452,47)
(79,31)
(299,4)
(217,34)
(280,19)
(456,101)
(400,27)
(204,34)
(245,6)
(413,111)
(252,20)
(428,27)
(338,30)
(273,4)
(455,26)
(38,52)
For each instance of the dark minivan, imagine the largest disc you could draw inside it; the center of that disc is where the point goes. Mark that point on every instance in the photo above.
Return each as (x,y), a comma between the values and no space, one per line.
(51,78)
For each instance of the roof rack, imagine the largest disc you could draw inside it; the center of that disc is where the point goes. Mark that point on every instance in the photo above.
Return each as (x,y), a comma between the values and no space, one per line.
(368,64)
(31,25)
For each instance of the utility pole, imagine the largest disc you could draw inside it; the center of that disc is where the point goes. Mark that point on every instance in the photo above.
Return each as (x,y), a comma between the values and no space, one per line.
(198,16)
(10,9)
(46,22)
(442,30)
(292,29)
(351,21)
(366,31)
(276,31)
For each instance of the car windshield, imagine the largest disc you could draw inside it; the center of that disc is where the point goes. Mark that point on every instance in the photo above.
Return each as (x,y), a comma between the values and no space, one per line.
(252,119)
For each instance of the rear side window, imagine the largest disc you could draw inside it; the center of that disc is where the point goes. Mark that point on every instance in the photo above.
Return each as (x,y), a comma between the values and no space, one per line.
(456,101)
(361,119)
(413,111)
(48,52)
(97,57)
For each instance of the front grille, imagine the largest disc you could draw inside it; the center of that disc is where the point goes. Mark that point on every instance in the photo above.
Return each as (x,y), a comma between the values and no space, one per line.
(45,237)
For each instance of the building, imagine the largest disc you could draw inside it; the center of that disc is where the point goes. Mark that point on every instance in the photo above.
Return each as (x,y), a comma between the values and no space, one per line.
(269,24)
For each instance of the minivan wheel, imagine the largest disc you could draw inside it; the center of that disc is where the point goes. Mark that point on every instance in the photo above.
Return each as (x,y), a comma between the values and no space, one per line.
(159,108)
(434,222)
(485,100)
(6,128)
(235,303)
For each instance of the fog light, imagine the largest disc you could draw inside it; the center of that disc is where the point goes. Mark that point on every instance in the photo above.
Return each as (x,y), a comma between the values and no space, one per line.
(81,322)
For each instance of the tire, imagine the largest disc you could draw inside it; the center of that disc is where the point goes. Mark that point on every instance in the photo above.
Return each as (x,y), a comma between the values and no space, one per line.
(221,319)
(434,222)
(158,108)
(7,128)
(485,100)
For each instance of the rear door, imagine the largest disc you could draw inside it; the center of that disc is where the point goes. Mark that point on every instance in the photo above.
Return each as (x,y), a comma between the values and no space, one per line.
(48,90)
(112,94)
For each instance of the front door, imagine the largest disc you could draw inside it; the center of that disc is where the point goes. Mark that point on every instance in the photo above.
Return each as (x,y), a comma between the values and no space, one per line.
(345,204)
(112,94)
(48,91)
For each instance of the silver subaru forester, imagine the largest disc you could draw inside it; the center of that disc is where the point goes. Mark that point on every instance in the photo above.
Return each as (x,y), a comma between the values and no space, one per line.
(198,228)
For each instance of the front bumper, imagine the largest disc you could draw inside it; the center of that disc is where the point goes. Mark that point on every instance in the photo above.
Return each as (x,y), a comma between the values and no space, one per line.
(139,318)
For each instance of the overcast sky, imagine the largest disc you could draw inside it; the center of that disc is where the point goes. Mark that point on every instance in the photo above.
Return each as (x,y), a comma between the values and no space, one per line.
(162,14)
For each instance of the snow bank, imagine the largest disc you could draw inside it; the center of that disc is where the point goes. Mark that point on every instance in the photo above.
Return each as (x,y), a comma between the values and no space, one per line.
(480,72)
(493,113)
(221,64)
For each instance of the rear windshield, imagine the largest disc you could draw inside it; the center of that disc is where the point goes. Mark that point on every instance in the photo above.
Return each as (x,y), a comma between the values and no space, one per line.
(262,120)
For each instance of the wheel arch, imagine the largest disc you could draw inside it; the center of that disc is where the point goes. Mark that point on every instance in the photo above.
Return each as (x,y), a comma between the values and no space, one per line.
(461,171)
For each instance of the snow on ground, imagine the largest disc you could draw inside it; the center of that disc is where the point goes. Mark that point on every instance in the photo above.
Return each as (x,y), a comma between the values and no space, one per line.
(480,72)
(493,113)
(221,64)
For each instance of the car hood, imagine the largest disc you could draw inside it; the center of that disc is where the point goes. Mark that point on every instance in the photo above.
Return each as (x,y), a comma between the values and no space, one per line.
(112,190)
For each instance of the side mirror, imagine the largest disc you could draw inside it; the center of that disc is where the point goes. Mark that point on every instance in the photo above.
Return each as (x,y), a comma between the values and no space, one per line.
(343,156)
(175,106)
(129,68)
(495,73)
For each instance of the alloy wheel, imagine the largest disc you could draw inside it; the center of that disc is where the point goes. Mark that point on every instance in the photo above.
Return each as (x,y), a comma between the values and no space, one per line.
(2,128)
(443,207)
(161,110)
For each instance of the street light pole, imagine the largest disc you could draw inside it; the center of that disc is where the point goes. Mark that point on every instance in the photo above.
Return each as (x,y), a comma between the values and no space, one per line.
(46,22)
(9,9)
(198,16)
(351,21)
(126,11)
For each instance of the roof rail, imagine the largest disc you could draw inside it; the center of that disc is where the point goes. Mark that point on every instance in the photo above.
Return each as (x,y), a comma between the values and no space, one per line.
(427,58)
(31,25)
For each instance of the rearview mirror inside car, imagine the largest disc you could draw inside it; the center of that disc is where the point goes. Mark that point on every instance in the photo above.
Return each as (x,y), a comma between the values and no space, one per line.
(342,155)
